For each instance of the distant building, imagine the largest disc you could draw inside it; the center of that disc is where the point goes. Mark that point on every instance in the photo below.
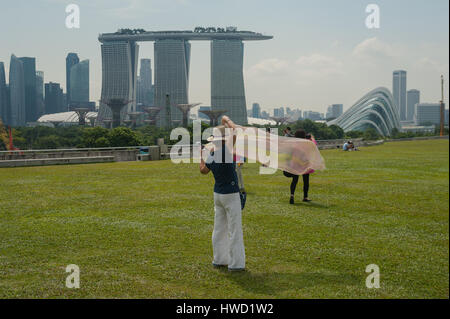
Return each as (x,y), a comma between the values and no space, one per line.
(375,110)
(412,98)
(29,72)
(17,92)
(119,65)
(54,100)
(4,107)
(446,117)
(278,112)
(71,60)
(312,115)
(145,94)
(79,83)
(334,111)
(40,105)
(227,79)
(86,105)
(256,110)
(417,129)
(427,114)
(65,118)
(172,58)
(295,115)
(399,92)
(265,115)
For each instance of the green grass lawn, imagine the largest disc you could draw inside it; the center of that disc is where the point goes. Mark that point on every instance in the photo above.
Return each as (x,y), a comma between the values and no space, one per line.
(143,229)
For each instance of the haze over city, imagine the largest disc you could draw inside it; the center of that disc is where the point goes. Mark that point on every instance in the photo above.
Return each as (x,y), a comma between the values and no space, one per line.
(321,53)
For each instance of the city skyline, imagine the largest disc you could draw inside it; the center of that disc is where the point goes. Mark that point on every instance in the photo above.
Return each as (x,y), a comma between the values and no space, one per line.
(280,72)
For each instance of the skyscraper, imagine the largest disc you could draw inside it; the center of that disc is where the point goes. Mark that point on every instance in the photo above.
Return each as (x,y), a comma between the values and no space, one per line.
(40,105)
(4,107)
(145,86)
(427,114)
(227,79)
(17,92)
(413,98)
(172,58)
(54,98)
(79,83)
(256,110)
(399,92)
(71,60)
(29,71)
(334,111)
(119,80)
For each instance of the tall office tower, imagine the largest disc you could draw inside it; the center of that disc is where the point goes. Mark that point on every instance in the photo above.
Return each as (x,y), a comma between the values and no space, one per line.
(79,83)
(119,76)
(145,82)
(172,58)
(412,98)
(29,71)
(139,93)
(4,107)
(17,92)
(312,115)
(71,60)
(227,80)
(336,110)
(53,98)
(427,114)
(399,92)
(40,105)
(256,110)
(296,115)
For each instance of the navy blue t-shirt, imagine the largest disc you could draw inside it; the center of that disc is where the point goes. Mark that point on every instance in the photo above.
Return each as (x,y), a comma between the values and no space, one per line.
(224,175)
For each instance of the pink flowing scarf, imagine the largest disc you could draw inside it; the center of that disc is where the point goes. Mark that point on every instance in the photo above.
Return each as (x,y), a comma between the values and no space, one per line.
(294,155)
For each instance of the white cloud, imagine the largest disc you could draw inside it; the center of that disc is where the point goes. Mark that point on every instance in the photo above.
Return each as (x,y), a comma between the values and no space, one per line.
(318,66)
(269,67)
(373,48)
(432,65)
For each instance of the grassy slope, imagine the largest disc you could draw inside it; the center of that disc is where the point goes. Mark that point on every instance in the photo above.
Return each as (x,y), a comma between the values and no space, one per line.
(143,229)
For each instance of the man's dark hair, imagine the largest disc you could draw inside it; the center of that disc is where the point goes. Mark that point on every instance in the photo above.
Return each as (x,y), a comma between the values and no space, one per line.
(300,133)
(288,128)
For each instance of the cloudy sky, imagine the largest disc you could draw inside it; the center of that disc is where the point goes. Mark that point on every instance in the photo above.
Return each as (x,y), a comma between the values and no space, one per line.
(322,51)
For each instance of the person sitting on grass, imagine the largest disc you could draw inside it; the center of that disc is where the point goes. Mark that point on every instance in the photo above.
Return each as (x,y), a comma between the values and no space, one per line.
(227,237)
(348,146)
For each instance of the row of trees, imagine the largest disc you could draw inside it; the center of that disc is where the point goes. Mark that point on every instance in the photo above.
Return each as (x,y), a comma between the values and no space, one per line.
(43,137)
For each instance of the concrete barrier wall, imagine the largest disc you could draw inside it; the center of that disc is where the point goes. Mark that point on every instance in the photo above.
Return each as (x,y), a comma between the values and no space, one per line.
(422,138)
(56,161)
(120,155)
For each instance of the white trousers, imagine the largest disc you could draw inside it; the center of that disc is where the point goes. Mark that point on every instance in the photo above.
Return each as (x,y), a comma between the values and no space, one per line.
(227,237)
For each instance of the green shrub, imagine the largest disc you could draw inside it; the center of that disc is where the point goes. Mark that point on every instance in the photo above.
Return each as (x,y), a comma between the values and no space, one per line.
(123,136)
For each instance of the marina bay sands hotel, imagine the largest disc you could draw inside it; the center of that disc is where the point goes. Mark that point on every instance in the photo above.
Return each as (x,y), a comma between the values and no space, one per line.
(171,66)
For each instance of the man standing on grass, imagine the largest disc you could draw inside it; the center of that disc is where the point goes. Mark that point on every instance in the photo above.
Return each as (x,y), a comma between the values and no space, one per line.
(227,237)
